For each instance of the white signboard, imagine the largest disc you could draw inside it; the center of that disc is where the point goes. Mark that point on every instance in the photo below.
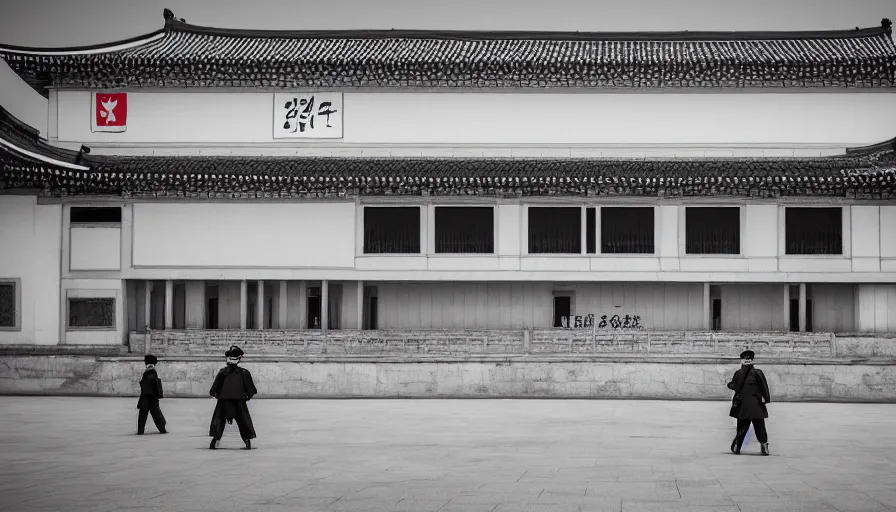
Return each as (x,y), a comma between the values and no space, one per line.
(308,115)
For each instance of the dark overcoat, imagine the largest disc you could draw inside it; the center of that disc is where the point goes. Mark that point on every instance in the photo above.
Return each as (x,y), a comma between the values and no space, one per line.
(232,401)
(150,390)
(755,393)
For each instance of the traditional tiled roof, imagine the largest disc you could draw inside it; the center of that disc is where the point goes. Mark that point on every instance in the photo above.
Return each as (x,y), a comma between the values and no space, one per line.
(22,149)
(184,55)
(868,172)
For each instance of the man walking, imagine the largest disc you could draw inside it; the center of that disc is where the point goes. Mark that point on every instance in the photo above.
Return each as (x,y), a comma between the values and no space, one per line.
(748,406)
(233,387)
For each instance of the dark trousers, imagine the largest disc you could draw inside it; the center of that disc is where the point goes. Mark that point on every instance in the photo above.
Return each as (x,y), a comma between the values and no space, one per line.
(157,418)
(232,409)
(758,426)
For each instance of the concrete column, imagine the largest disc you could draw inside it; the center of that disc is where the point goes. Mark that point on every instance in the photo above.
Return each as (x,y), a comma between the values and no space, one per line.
(259,305)
(303,305)
(360,305)
(802,307)
(195,305)
(707,308)
(147,304)
(583,237)
(324,305)
(282,306)
(786,307)
(244,303)
(169,305)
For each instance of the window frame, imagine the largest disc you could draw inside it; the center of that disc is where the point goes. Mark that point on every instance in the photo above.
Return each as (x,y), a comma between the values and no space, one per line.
(422,229)
(657,236)
(17,305)
(79,296)
(432,228)
(525,225)
(682,230)
(845,231)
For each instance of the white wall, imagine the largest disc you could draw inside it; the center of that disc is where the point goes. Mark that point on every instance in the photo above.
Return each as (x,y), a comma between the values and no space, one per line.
(661,306)
(833,307)
(504,118)
(30,251)
(442,305)
(244,235)
(753,307)
(95,248)
(876,308)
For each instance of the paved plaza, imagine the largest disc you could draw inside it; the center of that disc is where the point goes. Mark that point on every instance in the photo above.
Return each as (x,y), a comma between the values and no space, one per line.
(81,454)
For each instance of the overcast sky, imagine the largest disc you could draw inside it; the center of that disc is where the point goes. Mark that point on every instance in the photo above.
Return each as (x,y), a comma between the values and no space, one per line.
(53,23)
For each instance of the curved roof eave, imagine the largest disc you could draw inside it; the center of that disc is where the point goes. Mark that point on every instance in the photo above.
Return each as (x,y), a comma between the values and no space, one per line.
(125,44)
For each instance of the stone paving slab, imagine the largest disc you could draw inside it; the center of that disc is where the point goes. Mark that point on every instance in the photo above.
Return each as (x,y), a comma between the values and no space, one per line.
(81,455)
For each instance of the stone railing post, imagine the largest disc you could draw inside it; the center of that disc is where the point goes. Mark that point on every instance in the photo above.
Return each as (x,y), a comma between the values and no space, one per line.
(527,340)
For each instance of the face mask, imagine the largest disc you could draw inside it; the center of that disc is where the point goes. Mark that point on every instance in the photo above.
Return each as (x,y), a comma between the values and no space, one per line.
(747,362)
(233,360)
(150,367)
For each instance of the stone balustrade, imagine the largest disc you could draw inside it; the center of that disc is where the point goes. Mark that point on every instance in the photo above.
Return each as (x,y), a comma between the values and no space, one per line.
(473,342)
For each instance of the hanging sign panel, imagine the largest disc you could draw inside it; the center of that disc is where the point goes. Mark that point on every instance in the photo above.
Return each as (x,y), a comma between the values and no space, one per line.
(109,112)
(308,115)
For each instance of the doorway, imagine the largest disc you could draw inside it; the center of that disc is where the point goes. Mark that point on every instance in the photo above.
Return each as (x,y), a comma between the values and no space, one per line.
(562,309)
(314,308)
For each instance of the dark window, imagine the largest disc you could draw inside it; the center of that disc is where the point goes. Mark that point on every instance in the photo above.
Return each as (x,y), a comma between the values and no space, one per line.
(83,215)
(91,313)
(813,230)
(392,230)
(313,309)
(562,309)
(795,315)
(211,314)
(717,314)
(712,230)
(465,229)
(555,230)
(590,230)
(626,230)
(8,305)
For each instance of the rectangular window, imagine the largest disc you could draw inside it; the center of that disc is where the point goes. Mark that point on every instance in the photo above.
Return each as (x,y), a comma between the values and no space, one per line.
(626,230)
(712,230)
(91,313)
(813,230)
(9,305)
(591,230)
(391,230)
(555,230)
(462,229)
(95,215)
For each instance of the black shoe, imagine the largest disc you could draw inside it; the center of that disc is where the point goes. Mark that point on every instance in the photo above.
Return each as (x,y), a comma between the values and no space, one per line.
(213,445)
(163,431)
(764,447)
(248,444)
(139,433)
(735,449)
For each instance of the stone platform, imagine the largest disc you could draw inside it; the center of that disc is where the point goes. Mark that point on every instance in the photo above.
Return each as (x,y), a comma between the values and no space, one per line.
(80,455)
(668,377)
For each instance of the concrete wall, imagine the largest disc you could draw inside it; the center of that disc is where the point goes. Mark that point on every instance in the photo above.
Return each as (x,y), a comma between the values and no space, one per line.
(244,235)
(30,253)
(876,307)
(323,240)
(501,118)
(706,379)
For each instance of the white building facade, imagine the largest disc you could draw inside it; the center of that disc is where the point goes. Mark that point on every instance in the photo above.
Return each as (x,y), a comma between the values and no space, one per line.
(517,181)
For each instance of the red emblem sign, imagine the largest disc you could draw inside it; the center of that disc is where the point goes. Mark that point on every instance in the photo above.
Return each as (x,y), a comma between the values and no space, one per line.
(110,112)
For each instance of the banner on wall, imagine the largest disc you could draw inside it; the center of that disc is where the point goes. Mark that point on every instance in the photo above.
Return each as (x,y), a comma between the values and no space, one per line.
(308,115)
(110,112)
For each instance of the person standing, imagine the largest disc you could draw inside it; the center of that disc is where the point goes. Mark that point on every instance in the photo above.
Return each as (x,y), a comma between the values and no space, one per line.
(233,388)
(751,390)
(150,394)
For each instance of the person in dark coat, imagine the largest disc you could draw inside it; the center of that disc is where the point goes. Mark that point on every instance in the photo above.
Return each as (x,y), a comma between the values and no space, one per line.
(752,387)
(150,394)
(233,387)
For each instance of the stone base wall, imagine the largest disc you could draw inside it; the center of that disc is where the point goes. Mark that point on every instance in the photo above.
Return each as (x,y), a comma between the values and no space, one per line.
(544,341)
(507,377)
